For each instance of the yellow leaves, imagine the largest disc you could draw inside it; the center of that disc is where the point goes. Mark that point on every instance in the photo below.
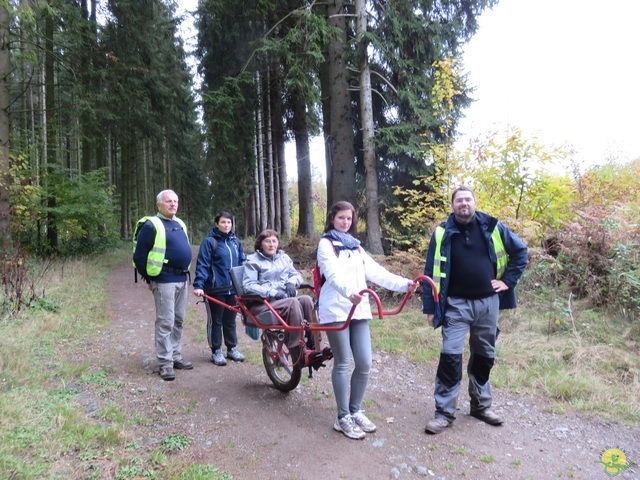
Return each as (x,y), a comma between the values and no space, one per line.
(449,82)
(20,210)
(508,178)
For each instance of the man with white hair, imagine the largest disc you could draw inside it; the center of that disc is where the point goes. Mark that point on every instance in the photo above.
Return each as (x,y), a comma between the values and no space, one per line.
(162,256)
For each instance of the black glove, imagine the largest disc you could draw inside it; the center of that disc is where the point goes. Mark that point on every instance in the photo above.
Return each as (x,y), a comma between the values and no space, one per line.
(279,295)
(292,291)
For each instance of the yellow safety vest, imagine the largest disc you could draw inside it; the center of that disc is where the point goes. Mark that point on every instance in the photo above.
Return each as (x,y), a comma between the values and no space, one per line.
(439,260)
(155,259)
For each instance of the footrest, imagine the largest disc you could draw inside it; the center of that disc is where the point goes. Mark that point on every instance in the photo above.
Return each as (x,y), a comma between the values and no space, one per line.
(315,359)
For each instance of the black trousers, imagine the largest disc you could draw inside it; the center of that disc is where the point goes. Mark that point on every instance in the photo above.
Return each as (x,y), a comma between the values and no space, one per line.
(221,323)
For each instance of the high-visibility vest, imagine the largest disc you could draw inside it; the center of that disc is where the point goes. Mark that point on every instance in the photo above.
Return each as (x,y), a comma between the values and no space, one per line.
(439,260)
(155,258)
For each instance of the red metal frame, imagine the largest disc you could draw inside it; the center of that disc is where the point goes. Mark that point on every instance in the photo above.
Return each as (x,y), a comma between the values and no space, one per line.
(241,307)
(423,278)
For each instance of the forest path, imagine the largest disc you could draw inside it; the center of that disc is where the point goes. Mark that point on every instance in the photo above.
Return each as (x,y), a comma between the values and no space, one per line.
(237,421)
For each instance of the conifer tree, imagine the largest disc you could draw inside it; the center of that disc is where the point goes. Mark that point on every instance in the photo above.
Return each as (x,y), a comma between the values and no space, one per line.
(5,69)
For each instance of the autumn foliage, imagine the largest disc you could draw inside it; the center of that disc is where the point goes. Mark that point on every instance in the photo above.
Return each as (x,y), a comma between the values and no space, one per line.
(582,231)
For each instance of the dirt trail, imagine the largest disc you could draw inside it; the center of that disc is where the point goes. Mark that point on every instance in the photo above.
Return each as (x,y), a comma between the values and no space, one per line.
(238,422)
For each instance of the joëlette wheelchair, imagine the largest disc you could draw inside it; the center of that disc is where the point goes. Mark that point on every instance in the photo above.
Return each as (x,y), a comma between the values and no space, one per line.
(284,371)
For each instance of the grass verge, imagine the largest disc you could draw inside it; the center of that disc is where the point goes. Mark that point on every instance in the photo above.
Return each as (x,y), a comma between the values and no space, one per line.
(574,357)
(46,431)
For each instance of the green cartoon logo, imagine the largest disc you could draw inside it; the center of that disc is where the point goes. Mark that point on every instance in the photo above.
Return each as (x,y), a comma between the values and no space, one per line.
(614,462)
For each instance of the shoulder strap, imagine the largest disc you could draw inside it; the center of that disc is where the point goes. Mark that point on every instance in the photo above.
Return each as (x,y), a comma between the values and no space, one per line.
(336,248)
(214,243)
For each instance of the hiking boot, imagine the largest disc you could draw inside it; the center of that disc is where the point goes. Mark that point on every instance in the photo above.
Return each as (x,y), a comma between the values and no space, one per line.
(182,364)
(347,425)
(217,358)
(366,425)
(488,416)
(167,373)
(437,425)
(235,355)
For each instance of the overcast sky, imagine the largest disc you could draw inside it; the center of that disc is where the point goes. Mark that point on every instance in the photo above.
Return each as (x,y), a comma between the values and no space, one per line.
(566,71)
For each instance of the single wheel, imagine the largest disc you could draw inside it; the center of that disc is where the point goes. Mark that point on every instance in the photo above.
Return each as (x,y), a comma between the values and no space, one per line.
(278,363)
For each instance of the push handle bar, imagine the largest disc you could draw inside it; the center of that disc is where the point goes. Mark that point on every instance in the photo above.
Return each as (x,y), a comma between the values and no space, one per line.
(422,278)
(241,307)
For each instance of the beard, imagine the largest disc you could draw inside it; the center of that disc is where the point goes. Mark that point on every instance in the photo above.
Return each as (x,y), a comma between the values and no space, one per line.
(464,215)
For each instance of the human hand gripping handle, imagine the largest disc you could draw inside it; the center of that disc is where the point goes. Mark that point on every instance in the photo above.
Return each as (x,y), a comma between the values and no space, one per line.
(198,292)
(291,289)
(355,298)
(279,295)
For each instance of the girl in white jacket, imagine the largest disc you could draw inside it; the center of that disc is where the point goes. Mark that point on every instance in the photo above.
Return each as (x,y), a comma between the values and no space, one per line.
(346,268)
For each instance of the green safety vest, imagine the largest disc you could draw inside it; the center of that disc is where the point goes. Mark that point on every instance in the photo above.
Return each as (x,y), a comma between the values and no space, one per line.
(155,259)
(439,260)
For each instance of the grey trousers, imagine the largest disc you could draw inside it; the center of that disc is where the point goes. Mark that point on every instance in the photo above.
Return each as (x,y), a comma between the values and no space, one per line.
(357,339)
(171,309)
(479,318)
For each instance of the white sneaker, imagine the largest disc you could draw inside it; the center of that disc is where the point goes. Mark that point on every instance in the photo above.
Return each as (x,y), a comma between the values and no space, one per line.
(235,355)
(218,359)
(363,422)
(348,426)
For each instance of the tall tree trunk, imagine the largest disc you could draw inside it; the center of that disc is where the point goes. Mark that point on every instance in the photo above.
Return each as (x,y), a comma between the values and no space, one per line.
(299,95)
(306,223)
(5,69)
(250,208)
(51,120)
(250,220)
(277,125)
(102,142)
(374,243)
(86,138)
(269,165)
(127,177)
(341,137)
(260,160)
(323,75)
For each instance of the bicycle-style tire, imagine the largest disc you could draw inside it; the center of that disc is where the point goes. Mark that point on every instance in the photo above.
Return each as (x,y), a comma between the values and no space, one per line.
(284,375)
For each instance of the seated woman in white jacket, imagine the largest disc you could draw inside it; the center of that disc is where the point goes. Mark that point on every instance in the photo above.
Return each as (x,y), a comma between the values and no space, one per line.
(346,268)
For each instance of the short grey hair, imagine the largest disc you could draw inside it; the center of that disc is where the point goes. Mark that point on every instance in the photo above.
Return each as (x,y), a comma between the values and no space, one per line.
(161,194)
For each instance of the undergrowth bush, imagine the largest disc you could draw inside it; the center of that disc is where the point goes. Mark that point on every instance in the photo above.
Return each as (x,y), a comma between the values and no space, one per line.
(596,257)
(84,214)
(625,280)
(21,278)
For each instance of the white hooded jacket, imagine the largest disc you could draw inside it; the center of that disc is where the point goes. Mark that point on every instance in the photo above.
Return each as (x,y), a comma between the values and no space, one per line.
(348,273)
